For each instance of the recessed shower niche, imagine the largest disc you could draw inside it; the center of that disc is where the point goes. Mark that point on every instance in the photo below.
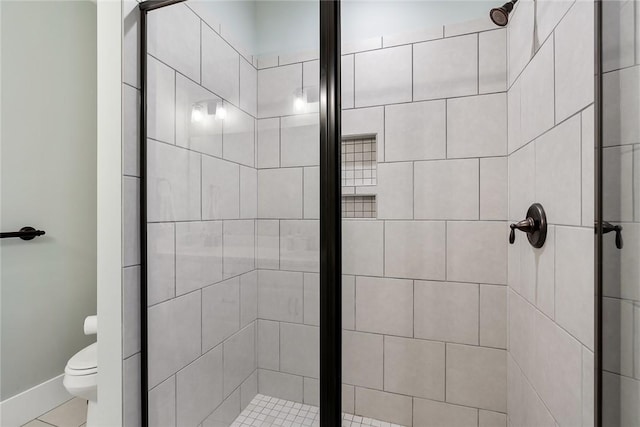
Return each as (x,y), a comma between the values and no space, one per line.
(359,176)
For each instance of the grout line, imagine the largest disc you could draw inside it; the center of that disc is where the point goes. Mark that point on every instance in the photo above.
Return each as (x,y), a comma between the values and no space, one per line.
(446,239)
(445,372)
(174,229)
(479,190)
(478,63)
(412,75)
(555,108)
(354,81)
(446,128)
(479,314)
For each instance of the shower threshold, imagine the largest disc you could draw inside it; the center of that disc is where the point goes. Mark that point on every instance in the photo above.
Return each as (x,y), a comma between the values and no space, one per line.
(267,411)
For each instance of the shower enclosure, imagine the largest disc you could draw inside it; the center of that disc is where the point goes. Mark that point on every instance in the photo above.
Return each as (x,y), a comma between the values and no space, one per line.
(326,194)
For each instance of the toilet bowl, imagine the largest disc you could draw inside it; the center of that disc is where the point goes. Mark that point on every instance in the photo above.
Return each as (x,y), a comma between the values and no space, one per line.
(81,379)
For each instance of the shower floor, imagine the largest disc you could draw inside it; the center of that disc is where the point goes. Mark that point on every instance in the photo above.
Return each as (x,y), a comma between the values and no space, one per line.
(267,411)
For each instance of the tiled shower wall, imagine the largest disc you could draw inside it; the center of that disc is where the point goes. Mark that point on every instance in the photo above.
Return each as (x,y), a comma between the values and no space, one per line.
(551,158)
(621,154)
(424,290)
(202,198)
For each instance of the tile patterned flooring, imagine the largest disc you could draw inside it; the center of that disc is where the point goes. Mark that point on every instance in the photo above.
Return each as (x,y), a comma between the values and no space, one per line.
(266,411)
(263,411)
(72,413)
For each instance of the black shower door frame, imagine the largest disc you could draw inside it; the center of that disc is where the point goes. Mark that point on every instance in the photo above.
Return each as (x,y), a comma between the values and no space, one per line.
(598,211)
(330,212)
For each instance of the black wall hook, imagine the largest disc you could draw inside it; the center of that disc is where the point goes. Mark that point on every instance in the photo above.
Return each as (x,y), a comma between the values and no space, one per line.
(535,225)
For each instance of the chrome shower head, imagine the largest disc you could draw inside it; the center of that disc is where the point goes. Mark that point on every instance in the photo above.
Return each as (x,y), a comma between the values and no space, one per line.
(500,15)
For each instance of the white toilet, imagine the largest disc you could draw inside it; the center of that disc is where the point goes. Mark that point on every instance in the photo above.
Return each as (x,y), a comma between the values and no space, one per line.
(81,373)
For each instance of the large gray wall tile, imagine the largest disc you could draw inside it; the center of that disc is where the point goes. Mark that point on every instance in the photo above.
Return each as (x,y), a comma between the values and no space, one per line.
(268,344)
(362,247)
(300,245)
(198,255)
(300,349)
(131,221)
(574,298)
(162,404)
(220,312)
(239,243)
(226,413)
(493,316)
(573,49)
(174,336)
(447,189)
(300,140)
(476,126)
(199,389)
(413,249)
(130,311)
(268,244)
(277,89)
(395,190)
(161,267)
(492,58)
(220,66)
(477,376)
(494,188)
(248,298)
(447,311)
(445,68)
(238,136)
(414,367)
(161,101)
(268,143)
(248,87)
(362,359)
(197,127)
(383,406)
(248,192)
(280,385)
(173,183)
(558,161)
(280,296)
(239,358)
(558,375)
(415,131)
(280,193)
(477,252)
(174,37)
(383,76)
(384,306)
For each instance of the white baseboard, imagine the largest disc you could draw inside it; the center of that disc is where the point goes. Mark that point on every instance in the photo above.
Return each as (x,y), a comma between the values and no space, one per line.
(32,403)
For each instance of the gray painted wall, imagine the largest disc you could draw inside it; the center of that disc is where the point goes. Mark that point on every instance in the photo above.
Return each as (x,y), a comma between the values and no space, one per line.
(48,181)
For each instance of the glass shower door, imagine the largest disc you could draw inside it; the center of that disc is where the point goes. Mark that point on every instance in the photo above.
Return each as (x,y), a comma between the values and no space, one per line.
(232,213)
(620,250)
(424,234)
